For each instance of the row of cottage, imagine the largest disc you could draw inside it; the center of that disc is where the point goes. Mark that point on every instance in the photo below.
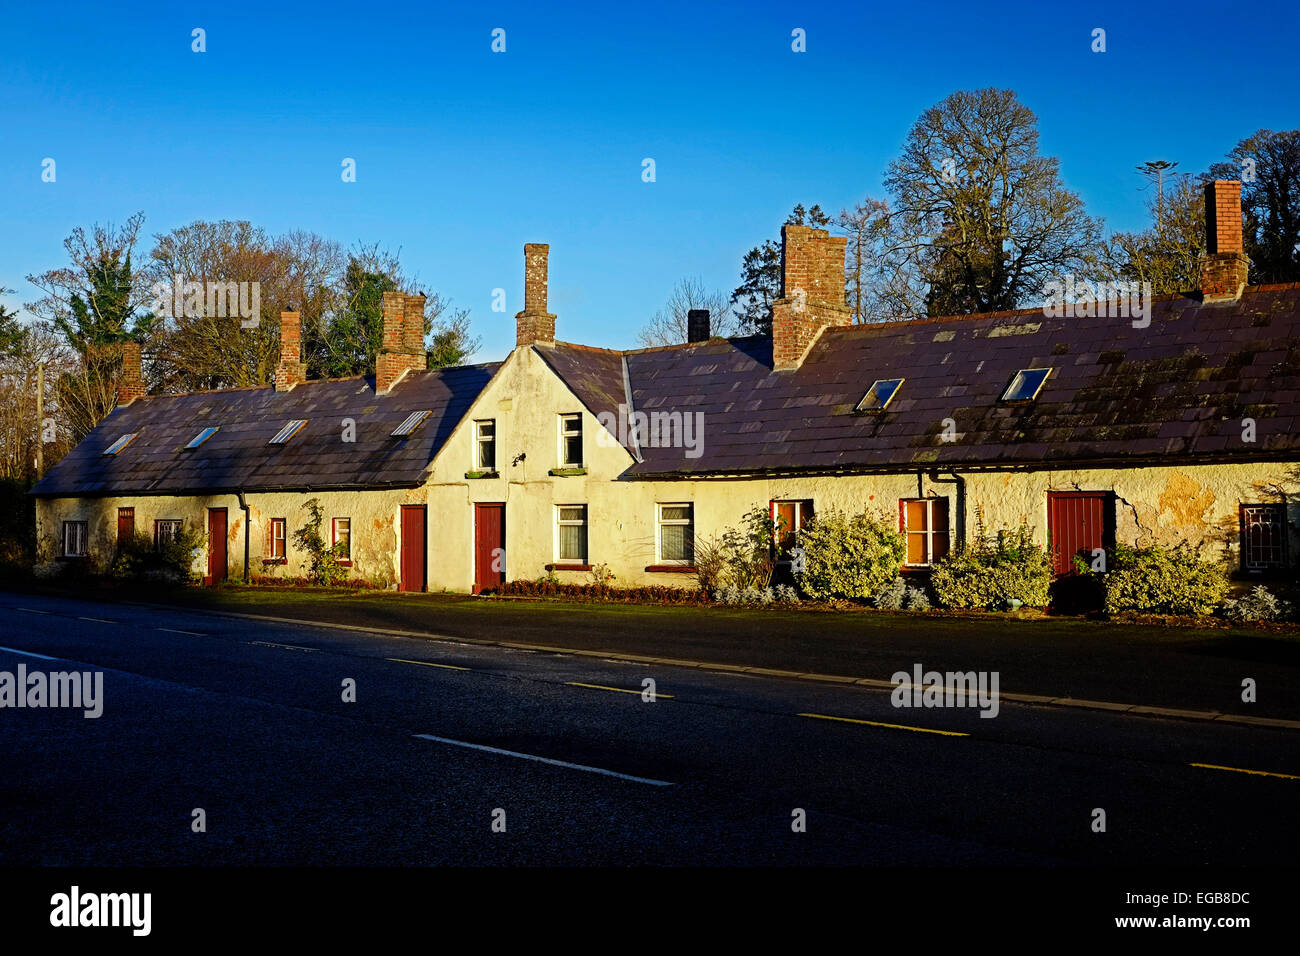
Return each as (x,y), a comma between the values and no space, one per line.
(1091,430)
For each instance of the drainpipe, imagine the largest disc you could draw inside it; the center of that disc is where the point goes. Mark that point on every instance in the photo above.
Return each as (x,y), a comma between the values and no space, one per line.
(244,505)
(960,482)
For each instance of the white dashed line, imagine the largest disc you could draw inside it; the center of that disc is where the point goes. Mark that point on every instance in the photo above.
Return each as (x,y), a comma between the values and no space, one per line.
(548,760)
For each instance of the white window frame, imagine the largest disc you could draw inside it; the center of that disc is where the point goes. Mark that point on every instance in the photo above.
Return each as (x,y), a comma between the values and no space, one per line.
(174,524)
(80,530)
(334,536)
(586,534)
(480,440)
(573,419)
(283,539)
(660,522)
(930,530)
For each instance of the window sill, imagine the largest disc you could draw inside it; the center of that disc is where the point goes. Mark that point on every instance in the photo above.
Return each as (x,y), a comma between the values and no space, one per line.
(345,564)
(671,569)
(266,561)
(482,474)
(571,472)
(568,567)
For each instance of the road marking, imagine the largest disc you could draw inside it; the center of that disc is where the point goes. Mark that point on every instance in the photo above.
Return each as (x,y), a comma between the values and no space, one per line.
(620,690)
(876,723)
(44,657)
(548,760)
(97,620)
(30,610)
(448,667)
(172,630)
(1258,773)
(287,647)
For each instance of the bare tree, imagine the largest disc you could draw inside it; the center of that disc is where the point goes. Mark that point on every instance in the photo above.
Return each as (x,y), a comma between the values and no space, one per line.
(668,325)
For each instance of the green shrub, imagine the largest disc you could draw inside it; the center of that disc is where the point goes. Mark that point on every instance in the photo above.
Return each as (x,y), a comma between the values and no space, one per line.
(138,560)
(990,573)
(1163,580)
(843,556)
(324,562)
(1260,604)
(738,557)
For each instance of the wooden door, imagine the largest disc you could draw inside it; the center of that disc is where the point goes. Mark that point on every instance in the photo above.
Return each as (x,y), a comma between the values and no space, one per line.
(414,548)
(217,565)
(1077,524)
(125,525)
(489,546)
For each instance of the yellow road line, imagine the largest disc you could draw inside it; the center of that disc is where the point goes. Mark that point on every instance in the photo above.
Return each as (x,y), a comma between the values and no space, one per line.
(448,667)
(1257,773)
(619,690)
(876,723)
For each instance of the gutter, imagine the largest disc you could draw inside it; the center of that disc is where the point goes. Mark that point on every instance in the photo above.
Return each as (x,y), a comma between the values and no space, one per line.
(960,483)
(243,504)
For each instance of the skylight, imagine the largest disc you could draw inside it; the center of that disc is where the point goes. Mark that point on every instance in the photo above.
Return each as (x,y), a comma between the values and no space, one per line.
(288,431)
(1025,386)
(118,445)
(880,394)
(202,436)
(410,424)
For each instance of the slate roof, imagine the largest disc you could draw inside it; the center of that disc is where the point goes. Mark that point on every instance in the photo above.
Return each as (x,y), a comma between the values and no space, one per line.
(1174,391)
(238,458)
(594,375)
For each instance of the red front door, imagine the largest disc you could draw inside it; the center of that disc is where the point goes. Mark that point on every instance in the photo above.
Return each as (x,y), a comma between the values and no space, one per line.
(489,546)
(125,526)
(1076,525)
(216,546)
(414,548)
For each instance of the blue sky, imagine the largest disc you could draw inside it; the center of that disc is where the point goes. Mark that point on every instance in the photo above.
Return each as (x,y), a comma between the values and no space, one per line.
(464,155)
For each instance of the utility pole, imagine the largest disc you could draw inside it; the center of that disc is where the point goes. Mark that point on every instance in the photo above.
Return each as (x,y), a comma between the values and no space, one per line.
(40,420)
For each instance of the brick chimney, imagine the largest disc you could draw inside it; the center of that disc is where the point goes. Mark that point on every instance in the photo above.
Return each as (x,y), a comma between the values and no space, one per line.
(291,371)
(697,325)
(130,381)
(403,344)
(812,293)
(1226,267)
(535,324)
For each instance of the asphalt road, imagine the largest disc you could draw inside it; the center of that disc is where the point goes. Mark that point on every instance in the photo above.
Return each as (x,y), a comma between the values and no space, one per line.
(247,721)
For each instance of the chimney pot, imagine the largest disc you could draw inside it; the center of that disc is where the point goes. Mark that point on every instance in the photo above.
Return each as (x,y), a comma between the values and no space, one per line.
(291,370)
(130,381)
(812,292)
(534,323)
(697,325)
(1226,268)
(403,345)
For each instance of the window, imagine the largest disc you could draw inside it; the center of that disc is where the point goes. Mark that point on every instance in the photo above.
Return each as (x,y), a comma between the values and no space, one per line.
(202,436)
(924,522)
(288,431)
(571,536)
(880,394)
(275,540)
(788,517)
(409,424)
(676,534)
(485,445)
(1263,537)
(121,443)
(342,538)
(1024,387)
(571,441)
(74,539)
(165,531)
